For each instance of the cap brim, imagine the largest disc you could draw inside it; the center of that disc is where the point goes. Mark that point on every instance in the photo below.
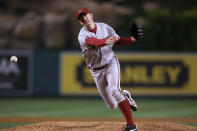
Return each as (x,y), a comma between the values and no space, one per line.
(81,15)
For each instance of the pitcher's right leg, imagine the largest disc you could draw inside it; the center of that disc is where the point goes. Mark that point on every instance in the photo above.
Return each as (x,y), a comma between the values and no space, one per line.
(103,89)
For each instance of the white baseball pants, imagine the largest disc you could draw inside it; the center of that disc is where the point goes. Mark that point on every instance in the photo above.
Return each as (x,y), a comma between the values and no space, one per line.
(108,83)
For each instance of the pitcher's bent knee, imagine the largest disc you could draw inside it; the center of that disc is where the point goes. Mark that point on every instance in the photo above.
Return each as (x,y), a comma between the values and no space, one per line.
(118,96)
(112,106)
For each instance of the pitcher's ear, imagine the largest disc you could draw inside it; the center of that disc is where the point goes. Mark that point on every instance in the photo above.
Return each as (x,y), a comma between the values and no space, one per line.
(91,15)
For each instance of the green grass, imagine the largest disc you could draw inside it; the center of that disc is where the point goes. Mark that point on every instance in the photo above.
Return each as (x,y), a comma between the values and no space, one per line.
(13,124)
(167,108)
(54,107)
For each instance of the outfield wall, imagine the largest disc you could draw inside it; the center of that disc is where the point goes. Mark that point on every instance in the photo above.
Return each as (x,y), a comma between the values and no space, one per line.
(143,74)
(16,79)
(65,73)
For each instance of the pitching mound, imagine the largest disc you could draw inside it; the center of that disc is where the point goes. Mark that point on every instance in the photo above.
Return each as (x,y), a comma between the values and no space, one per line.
(100,126)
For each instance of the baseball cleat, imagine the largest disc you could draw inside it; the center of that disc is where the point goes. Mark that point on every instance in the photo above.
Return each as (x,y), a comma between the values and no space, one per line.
(132,103)
(129,127)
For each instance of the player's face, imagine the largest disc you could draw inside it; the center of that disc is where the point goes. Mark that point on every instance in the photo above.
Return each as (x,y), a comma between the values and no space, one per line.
(86,20)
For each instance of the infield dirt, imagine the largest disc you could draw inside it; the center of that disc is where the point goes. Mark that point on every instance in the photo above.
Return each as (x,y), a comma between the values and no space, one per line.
(143,125)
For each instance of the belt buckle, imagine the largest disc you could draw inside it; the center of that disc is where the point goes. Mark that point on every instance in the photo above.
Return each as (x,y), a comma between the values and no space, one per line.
(91,68)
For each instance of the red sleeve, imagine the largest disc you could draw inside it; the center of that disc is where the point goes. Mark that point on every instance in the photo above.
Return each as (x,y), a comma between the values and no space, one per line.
(124,41)
(95,42)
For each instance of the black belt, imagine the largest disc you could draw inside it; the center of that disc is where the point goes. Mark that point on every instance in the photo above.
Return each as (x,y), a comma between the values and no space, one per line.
(99,68)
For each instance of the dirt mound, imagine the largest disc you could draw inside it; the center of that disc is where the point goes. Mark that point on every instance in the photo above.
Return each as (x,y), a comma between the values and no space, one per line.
(100,126)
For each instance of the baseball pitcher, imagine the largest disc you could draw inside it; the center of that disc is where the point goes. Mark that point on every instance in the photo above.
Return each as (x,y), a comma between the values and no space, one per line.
(96,41)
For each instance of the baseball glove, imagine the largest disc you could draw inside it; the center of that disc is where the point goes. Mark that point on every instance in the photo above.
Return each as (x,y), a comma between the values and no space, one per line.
(136,31)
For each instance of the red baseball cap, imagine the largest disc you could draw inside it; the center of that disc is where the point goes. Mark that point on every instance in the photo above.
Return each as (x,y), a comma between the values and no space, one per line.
(81,11)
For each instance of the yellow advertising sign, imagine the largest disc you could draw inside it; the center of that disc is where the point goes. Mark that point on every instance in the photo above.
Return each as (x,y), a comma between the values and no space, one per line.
(74,74)
(148,74)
